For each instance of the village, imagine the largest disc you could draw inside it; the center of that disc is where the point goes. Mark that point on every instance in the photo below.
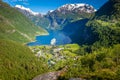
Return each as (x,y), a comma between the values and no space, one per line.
(54,53)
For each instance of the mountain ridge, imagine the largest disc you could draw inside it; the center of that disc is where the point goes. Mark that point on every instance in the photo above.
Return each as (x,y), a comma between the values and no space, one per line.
(77,7)
(56,19)
(105,24)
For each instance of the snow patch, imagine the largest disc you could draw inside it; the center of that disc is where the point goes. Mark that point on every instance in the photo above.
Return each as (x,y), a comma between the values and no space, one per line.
(71,7)
(51,11)
(27,9)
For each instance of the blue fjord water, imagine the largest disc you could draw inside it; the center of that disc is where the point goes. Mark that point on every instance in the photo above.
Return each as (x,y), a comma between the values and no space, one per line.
(60,37)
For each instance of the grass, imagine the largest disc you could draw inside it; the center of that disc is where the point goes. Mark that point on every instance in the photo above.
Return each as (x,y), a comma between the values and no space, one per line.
(18,62)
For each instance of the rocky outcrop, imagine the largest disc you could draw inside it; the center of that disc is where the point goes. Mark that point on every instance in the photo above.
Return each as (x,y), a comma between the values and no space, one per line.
(48,76)
(51,75)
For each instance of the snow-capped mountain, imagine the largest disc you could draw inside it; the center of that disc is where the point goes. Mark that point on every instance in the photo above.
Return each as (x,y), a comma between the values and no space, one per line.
(69,13)
(35,17)
(81,7)
(57,19)
(26,11)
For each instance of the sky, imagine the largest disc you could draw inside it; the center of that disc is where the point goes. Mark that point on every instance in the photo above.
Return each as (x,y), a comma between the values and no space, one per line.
(43,6)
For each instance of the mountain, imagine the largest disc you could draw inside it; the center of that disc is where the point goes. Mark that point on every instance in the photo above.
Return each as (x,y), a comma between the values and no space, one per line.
(78,32)
(16,60)
(103,28)
(57,19)
(15,26)
(105,24)
(69,13)
(109,11)
(37,18)
(75,8)
(27,11)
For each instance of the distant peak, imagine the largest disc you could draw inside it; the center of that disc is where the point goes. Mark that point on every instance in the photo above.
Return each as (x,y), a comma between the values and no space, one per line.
(51,10)
(22,7)
(78,6)
(27,9)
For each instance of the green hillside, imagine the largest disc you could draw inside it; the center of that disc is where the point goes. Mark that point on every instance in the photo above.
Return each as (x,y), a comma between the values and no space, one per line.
(109,11)
(102,64)
(17,62)
(15,26)
(105,24)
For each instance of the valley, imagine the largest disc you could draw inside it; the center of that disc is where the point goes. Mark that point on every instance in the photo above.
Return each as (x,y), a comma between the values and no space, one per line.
(72,42)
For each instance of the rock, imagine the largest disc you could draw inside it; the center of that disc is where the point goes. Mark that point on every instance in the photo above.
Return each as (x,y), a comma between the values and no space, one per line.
(48,76)
(51,75)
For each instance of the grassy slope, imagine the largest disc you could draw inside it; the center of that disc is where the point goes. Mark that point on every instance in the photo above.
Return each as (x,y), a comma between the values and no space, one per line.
(15,26)
(17,62)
